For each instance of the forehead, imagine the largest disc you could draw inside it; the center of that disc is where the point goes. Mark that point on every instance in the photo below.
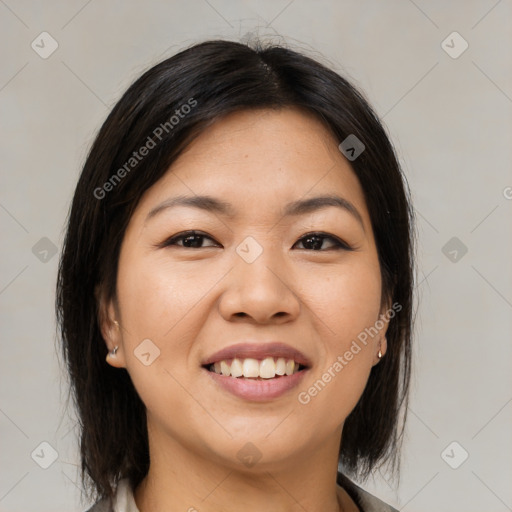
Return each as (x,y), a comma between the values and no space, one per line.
(261,158)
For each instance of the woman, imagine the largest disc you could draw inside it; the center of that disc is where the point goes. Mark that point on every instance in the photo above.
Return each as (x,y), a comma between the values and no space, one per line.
(235,290)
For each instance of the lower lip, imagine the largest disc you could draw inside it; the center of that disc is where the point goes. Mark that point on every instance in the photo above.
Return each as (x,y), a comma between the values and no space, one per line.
(258,390)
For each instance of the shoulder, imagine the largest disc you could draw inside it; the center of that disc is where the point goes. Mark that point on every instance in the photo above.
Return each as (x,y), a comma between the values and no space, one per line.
(363,499)
(123,500)
(100,506)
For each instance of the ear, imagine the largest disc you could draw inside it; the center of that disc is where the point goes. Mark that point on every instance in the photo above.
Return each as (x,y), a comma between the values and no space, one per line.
(384,315)
(381,343)
(110,329)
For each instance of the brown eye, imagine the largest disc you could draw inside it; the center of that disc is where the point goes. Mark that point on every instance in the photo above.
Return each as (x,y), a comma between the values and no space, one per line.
(315,242)
(189,239)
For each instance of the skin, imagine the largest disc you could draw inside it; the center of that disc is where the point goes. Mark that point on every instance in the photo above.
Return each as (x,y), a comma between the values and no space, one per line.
(191,302)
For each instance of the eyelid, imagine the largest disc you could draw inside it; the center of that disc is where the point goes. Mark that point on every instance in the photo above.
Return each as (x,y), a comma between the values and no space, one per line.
(339,243)
(184,234)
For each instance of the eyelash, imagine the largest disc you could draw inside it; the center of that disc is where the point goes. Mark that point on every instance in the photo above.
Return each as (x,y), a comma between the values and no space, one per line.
(339,244)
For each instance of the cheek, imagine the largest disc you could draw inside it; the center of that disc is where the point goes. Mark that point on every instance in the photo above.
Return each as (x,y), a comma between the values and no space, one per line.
(162,303)
(347,305)
(154,303)
(155,296)
(347,300)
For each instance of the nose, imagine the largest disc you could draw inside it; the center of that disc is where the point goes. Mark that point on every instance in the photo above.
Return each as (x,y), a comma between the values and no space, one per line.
(261,291)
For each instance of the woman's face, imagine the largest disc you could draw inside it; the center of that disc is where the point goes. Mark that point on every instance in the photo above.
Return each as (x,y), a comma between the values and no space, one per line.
(253,277)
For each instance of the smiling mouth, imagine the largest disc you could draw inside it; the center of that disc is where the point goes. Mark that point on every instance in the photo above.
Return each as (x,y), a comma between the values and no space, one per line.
(250,368)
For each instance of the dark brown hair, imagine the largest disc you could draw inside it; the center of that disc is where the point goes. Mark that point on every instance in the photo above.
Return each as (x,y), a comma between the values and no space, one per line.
(220,77)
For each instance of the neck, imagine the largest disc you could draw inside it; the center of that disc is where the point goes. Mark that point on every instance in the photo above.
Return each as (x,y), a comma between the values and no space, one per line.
(182,479)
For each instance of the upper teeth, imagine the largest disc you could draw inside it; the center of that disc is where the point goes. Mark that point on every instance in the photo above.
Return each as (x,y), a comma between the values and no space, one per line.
(266,369)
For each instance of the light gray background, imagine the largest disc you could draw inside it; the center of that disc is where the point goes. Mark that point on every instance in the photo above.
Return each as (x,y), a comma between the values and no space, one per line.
(450,119)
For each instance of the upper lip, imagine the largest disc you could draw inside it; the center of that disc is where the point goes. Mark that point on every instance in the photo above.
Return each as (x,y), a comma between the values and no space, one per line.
(258,351)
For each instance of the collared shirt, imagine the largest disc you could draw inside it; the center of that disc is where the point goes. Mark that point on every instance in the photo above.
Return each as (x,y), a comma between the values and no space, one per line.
(366,502)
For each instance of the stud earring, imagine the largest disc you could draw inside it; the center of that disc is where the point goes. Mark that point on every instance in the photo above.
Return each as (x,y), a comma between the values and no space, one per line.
(112,353)
(379,355)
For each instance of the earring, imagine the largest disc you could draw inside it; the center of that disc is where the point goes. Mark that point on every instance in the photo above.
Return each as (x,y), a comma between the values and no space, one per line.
(112,353)
(379,355)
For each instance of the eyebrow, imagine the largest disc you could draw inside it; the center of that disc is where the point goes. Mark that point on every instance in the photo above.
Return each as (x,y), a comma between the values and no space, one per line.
(295,208)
